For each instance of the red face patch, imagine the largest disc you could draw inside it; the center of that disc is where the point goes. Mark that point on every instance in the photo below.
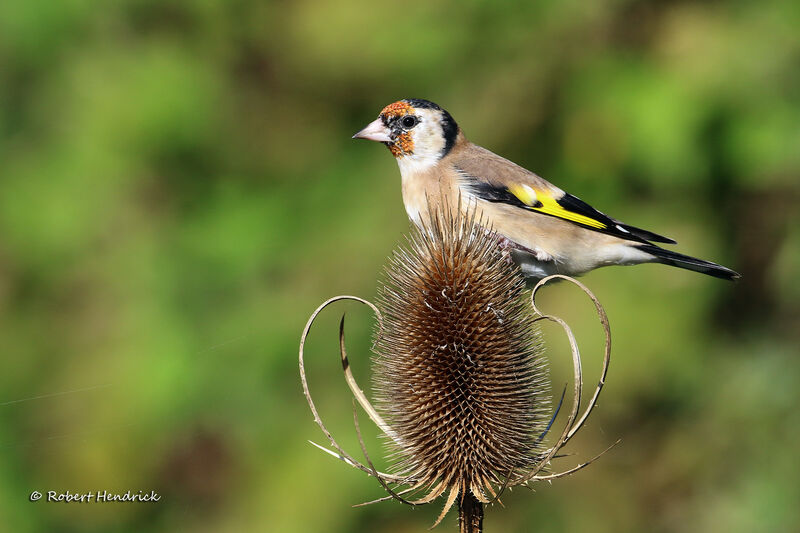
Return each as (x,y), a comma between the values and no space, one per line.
(403,144)
(396,109)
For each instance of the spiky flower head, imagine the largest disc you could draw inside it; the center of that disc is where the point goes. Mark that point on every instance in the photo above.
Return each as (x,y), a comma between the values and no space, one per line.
(457,368)
(458,376)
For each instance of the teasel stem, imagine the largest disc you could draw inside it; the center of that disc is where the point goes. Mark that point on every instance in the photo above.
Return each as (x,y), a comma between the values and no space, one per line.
(470,514)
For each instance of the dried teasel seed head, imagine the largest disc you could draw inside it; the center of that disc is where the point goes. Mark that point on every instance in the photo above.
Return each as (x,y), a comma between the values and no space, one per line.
(458,373)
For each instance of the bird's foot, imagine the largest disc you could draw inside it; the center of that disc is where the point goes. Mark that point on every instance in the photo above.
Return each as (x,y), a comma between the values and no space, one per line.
(506,246)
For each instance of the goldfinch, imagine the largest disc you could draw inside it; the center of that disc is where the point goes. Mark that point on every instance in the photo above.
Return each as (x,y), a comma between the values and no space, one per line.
(546,230)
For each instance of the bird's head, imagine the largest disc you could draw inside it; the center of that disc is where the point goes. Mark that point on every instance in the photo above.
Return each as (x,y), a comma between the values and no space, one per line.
(417,132)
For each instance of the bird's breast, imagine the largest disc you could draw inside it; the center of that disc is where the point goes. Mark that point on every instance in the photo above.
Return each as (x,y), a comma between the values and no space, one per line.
(423,191)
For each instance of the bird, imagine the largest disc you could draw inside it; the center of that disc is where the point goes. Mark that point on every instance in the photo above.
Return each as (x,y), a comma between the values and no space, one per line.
(544,229)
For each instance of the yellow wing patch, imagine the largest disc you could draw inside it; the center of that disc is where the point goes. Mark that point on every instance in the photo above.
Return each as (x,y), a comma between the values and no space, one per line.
(524,194)
(543,202)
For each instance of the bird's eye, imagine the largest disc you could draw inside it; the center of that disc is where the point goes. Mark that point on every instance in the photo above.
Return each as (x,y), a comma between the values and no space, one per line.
(409,121)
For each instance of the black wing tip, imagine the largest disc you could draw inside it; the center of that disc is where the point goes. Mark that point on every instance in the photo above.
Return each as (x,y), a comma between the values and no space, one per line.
(645,234)
(613,227)
(662,240)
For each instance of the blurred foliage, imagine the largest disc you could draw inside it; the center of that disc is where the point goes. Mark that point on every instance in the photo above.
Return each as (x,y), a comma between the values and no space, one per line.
(178,191)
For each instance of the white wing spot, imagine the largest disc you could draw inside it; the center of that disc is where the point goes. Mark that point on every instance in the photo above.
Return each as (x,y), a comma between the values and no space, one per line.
(531,194)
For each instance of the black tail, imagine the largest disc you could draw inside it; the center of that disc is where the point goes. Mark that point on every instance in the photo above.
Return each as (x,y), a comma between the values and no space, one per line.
(669,257)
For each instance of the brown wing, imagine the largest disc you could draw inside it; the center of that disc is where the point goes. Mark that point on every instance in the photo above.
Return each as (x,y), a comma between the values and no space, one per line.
(495,179)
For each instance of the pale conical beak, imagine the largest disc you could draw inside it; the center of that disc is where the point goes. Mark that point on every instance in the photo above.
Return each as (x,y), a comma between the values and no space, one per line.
(375,131)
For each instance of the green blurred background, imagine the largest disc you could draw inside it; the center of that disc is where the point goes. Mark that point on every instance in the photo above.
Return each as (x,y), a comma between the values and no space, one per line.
(179,190)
